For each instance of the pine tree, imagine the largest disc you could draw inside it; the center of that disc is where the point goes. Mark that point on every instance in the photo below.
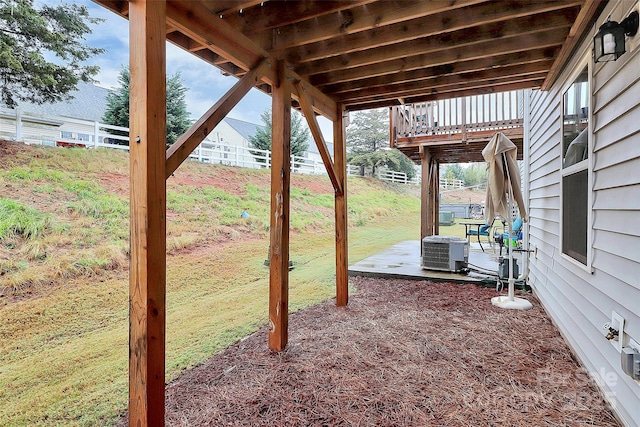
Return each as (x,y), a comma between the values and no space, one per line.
(299,135)
(29,35)
(117,112)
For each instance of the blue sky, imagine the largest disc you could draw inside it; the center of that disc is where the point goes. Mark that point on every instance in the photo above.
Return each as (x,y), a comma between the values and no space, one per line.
(205,82)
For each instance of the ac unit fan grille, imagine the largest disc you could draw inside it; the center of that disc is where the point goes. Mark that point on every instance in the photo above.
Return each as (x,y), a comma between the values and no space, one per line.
(436,256)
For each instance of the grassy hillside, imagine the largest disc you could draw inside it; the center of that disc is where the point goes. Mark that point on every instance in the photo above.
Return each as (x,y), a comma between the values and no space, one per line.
(64,269)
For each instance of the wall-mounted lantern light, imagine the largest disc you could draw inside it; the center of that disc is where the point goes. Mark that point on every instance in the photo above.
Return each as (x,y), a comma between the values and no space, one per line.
(608,44)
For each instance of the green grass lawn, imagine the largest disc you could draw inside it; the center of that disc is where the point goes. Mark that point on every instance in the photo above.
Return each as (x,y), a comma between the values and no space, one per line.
(64,344)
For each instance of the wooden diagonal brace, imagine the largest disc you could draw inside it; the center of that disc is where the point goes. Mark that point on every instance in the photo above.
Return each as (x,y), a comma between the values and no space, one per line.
(181,149)
(307,109)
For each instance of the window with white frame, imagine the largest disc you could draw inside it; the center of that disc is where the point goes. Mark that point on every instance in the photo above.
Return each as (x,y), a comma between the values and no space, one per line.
(575,167)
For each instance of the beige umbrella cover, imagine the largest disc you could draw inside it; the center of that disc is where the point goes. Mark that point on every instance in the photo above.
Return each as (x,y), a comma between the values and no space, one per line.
(498,185)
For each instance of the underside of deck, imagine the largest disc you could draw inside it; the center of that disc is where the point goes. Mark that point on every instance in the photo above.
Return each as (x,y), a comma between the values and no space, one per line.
(456,147)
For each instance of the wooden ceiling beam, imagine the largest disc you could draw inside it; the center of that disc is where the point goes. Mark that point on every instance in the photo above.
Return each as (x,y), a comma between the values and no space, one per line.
(522,43)
(362,18)
(497,33)
(480,87)
(230,7)
(432,25)
(458,67)
(587,16)
(279,13)
(197,22)
(120,7)
(484,77)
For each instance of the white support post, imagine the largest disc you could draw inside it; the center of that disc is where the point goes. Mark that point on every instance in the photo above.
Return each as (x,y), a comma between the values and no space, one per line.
(96,134)
(18,124)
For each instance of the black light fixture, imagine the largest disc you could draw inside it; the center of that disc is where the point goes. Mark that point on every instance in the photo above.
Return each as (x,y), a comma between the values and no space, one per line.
(608,44)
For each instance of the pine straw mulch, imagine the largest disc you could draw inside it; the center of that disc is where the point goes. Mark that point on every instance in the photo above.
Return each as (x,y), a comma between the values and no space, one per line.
(403,353)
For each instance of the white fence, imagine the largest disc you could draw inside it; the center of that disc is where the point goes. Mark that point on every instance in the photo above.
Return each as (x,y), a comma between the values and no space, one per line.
(63,131)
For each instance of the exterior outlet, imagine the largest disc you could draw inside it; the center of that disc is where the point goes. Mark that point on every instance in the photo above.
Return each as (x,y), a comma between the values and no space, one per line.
(617,323)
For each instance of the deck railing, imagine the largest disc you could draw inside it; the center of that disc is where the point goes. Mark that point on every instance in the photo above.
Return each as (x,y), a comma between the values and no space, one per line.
(459,115)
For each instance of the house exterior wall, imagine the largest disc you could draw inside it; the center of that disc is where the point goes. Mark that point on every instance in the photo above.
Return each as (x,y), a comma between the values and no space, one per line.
(580,299)
(225,134)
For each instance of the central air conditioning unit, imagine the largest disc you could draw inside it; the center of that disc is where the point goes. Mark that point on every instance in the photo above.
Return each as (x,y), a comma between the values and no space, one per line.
(445,253)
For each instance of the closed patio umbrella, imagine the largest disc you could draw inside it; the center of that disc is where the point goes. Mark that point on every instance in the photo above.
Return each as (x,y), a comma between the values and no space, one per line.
(503,188)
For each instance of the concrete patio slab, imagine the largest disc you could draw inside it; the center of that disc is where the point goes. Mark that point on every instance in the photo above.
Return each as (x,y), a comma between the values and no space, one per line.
(402,261)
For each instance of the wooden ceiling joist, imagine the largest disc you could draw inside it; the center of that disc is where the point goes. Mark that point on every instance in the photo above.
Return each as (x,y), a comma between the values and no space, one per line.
(487,49)
(277,14)
(494,33)
(441,83)
(451,69)
(196,21)
(439,24)
(361,19)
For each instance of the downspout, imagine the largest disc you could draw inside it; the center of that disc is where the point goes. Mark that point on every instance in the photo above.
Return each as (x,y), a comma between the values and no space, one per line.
(525,182)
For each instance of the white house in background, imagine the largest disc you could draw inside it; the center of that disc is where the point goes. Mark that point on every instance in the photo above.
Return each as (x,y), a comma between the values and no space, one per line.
(583,168)
(233,132)
(74,122)
(65,120)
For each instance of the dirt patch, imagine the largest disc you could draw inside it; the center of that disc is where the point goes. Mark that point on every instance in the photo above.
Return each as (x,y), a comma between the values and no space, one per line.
(402,353)
(116,183)
(463,196)
(10,149)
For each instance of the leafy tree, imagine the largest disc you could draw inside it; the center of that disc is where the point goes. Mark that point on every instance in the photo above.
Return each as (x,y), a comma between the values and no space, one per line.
(392,159)
(368,132)
(455,171)
(28,35)
(475,174)
(367,142)
(117,112)
(299,135)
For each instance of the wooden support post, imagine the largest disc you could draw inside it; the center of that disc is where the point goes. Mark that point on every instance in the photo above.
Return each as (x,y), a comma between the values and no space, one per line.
(280,191)
(147,276)
(342,252)
(425,188)
(436,198)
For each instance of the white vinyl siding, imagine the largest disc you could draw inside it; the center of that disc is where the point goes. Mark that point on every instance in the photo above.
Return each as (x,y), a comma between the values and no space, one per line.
(579,300)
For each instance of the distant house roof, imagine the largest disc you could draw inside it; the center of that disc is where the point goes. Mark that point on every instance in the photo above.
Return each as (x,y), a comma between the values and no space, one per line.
(89,103)
(245,129)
